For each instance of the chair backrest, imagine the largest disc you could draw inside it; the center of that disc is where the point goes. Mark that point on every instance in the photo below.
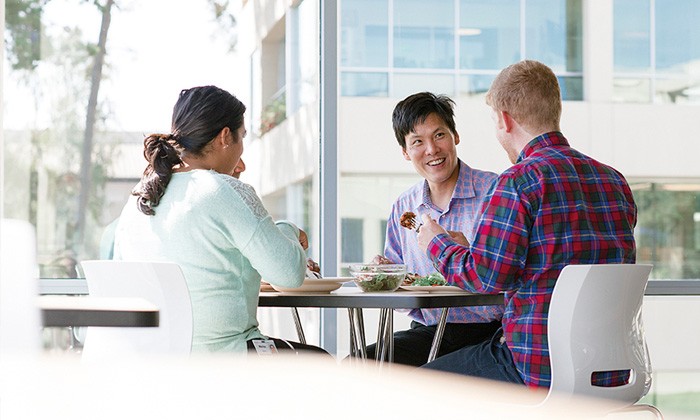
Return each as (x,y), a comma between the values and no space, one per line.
(20,325)
(163,284)
(595,325)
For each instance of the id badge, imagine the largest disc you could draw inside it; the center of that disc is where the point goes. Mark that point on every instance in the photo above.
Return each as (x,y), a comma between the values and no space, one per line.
(265,347)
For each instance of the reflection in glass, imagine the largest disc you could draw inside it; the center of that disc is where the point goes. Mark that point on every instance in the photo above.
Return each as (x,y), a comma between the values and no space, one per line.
(668,229)
(408,83)
(488,40)
(475,85)
(364,33)
(364,84)
(424,34)
(682,90)
(631,90)
(368,198)
(553,34)
(571,88)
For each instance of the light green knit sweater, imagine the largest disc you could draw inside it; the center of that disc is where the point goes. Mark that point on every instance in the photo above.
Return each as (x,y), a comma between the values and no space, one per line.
(216,228)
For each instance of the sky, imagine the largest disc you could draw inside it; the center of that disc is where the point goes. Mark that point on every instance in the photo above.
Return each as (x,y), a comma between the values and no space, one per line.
(155,49)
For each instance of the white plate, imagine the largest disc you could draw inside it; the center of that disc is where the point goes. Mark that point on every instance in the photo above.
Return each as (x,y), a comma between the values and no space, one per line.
(433,289)
(324,285)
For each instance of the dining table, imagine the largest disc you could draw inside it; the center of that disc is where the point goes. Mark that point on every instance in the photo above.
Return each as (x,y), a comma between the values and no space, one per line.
(355,300)
(67,311)
(91,311)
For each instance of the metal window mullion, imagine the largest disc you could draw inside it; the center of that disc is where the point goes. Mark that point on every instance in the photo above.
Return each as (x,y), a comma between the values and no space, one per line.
(390,49)
(523,27)
(329,172)
(652,49)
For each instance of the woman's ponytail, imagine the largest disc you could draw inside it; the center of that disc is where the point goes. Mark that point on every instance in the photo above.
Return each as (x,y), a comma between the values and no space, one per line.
(162,155)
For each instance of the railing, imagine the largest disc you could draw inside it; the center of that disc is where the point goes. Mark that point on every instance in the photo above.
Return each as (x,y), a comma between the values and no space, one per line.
(275,112)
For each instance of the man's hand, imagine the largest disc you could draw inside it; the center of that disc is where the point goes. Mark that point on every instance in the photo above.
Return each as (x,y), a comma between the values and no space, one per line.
(458,237)
(428,231)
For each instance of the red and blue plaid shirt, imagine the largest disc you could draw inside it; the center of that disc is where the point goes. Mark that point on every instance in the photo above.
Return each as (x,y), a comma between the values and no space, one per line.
(554,207)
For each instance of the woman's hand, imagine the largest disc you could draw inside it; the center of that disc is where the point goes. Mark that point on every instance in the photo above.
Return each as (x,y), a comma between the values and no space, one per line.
(303,240)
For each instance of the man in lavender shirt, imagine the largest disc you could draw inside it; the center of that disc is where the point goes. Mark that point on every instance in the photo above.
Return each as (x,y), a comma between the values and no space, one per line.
(452,194)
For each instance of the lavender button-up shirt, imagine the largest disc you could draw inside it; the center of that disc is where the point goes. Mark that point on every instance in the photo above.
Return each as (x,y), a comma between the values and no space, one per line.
(461,215)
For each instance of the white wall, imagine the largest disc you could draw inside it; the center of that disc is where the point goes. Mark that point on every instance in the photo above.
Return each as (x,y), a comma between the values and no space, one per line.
(641,141)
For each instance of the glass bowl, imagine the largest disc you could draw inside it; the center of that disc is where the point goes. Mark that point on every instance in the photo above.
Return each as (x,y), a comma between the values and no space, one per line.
(378,277)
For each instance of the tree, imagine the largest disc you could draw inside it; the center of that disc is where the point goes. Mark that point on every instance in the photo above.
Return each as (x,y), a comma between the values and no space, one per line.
(86,152)
(36,57)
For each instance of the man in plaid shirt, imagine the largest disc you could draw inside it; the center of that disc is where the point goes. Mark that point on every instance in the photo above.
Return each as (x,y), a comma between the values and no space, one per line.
(555,206)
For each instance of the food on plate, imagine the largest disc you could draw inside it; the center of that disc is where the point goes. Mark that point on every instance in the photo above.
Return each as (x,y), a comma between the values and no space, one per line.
(433,279)
(378,277)
(266,287)
(410,278)
(408,220)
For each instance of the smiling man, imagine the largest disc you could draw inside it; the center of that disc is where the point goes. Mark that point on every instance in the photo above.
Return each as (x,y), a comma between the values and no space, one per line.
(452,193)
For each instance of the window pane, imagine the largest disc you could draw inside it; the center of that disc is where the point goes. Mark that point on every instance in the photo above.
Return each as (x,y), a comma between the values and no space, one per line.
(682,90)
(475,85)
(677,36)
(489,40)
(631,39)
(364,33)
(364,84)
(368,198)
(406,84)
(571,88)
(424,34)
(668,229)
(352,243)
(631,90)
(49,86)
(554,34)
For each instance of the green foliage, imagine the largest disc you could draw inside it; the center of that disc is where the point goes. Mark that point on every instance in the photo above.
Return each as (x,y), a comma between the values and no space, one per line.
(23,32)
(273,114)
(667,234)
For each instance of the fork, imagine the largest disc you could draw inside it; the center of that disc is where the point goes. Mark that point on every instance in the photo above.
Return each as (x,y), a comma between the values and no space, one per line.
(416,225)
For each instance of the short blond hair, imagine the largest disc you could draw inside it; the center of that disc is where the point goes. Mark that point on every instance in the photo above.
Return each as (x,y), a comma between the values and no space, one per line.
(529,92)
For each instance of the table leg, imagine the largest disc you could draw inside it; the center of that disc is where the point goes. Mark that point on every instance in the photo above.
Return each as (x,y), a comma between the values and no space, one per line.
(353,339)
(439,331)
(358,345)
(297,324)
(390,334)
(380,347)
(380,334)
(361,327)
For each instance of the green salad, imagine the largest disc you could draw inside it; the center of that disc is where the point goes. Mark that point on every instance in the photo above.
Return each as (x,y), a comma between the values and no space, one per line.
(379,282)
(434,279)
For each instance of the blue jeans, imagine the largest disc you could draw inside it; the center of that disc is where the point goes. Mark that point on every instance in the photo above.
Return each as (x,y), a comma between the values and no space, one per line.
(411,347)
(490,359)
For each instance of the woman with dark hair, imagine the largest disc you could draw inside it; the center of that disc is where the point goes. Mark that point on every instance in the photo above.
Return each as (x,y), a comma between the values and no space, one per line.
(189,209)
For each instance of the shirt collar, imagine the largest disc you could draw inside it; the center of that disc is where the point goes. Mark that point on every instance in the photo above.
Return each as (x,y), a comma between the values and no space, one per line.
(463,189)
(553,138)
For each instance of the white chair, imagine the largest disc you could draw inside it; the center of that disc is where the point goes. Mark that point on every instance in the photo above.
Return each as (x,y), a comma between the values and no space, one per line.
(20,325)
(163,284)
(595,325)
